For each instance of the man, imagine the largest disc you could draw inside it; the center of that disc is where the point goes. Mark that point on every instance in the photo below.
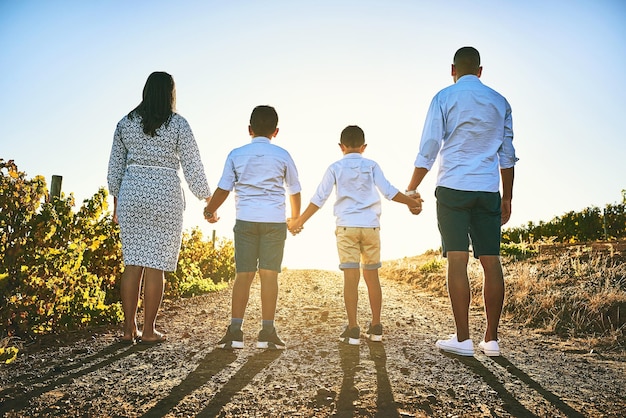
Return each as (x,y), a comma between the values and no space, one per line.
(469,127)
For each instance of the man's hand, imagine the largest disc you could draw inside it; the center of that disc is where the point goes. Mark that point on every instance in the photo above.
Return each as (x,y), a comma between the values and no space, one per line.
(417,208)
(506,211)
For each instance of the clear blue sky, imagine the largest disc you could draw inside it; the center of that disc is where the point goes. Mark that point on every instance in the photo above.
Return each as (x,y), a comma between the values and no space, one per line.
(72,69)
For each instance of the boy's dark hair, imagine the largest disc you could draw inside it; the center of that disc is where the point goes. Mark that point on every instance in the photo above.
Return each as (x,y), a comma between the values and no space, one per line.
(352,136)
(467,60)
(263,120)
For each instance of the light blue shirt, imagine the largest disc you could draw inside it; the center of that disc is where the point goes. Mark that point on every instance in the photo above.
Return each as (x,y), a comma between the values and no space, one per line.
(355,179)
(259,173)
(469,126)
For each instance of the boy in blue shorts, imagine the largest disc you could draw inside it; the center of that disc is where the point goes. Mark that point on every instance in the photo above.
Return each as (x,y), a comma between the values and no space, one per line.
(357,210)
(259,172)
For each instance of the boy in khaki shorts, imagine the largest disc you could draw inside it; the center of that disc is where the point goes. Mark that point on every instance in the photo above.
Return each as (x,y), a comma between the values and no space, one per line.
(357,209)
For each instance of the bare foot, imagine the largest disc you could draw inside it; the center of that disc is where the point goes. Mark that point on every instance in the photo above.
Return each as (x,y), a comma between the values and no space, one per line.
(155,338)
(131,336)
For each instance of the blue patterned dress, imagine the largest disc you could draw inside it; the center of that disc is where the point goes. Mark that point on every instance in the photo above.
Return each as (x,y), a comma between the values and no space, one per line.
(143,175)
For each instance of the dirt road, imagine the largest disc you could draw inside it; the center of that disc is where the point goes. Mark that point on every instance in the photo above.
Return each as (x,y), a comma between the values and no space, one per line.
(90,374)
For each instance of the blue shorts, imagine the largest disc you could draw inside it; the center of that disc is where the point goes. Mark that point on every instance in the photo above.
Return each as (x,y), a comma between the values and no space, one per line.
(259,245)
(465,217)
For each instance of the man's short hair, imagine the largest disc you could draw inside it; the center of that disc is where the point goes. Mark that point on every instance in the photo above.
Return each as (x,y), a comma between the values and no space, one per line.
(263,120)
(467,60)
(352,136)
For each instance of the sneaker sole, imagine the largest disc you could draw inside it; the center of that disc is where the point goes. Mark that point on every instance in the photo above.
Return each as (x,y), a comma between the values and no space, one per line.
(491,353)
(457,351)
(350,341)
(374,337)
(232,344)
(271,346)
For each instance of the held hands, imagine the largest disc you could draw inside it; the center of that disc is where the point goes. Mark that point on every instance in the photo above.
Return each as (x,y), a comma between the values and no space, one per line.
(416,207)
(211,217)
(294,226)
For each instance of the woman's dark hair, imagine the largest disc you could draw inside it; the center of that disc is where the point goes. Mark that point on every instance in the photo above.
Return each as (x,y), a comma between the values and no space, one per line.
(158,104)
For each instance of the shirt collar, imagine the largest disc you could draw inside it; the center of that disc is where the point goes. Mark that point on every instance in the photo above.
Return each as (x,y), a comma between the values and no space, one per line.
(468,78)
(353,155)
(261,139)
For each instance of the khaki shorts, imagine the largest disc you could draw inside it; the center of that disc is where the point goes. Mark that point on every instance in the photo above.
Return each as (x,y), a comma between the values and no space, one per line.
(358,247)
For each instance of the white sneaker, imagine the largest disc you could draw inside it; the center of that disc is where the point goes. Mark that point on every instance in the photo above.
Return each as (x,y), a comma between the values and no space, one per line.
(454,346)
(490,348)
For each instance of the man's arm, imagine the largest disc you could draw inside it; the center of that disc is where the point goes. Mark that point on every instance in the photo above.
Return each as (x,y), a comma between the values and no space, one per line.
(418,175)
(507,175)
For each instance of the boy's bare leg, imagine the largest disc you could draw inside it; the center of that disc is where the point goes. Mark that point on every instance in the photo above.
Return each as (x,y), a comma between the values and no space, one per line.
(375,293)
(351,294)
(459,291)
(130,288)
(269,293)
(493,294)
(241,293)
(152,297)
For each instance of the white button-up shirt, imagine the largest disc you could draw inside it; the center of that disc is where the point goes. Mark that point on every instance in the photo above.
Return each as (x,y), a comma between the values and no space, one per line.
(469,126)
(259,173)
(355,179)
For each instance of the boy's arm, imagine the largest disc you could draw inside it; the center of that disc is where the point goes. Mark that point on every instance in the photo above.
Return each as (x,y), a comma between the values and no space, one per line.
(414,202)
(296,224)
(295,201)
(213,205)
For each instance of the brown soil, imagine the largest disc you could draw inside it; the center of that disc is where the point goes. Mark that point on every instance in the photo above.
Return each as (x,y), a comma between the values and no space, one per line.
(90,374)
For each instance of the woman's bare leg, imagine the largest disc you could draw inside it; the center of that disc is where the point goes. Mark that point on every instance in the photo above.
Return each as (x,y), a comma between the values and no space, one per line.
(154,287)
(130,288)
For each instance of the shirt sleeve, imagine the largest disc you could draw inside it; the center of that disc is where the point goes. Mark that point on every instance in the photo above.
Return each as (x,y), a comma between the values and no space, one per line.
(292,181)
(325,188)
(432,136)
(117,162)
(191,162)
(229,176)
(383,185)
(506,153)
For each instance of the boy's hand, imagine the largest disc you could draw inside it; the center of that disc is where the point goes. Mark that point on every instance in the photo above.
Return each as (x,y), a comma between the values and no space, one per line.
(416,210)
(294,226)
(211,217)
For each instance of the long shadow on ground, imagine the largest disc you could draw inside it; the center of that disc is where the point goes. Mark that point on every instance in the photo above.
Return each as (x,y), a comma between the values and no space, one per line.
(209,366)
(238,381)
(510,403)
(385,403)
(547,395)
(58,375)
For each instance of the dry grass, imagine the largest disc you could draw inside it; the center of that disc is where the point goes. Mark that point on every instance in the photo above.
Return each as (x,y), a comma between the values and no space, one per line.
(573,294)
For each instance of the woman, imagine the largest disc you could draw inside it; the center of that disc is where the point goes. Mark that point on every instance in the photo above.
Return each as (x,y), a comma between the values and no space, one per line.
(149,146)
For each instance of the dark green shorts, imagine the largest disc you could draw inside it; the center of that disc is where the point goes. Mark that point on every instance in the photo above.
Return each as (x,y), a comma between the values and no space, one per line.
(259,245)
(469,217)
